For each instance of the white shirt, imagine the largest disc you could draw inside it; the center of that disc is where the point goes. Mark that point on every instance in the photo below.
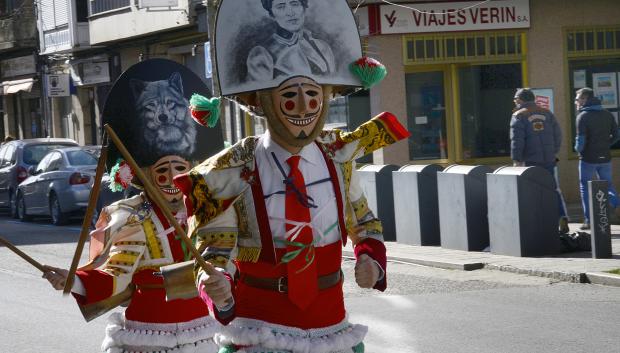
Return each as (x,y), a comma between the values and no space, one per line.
(324,218)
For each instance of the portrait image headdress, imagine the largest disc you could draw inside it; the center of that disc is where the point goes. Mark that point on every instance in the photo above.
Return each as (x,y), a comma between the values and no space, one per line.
(260,44)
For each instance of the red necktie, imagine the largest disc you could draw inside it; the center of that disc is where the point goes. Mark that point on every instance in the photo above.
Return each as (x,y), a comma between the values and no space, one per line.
(302,275)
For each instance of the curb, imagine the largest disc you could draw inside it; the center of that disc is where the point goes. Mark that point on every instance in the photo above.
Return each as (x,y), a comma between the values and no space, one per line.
(603,278)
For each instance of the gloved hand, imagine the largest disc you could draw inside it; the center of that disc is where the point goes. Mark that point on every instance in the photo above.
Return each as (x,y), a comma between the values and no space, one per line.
(217,287)
(366,271)
(56,276)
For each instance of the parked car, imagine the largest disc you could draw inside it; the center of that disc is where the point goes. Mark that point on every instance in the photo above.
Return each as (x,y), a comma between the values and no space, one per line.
(59,186)
(16,157)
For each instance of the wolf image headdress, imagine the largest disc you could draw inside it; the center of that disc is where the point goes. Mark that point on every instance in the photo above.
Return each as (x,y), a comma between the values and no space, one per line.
(148,108)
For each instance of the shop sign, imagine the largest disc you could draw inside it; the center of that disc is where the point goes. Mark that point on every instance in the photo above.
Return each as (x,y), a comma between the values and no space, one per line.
(159,3)
(23,65)
(90,72)
(58,85)
(454,16)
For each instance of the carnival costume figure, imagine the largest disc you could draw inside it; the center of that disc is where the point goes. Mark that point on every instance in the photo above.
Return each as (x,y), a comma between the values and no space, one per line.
(273,212)
(133,239)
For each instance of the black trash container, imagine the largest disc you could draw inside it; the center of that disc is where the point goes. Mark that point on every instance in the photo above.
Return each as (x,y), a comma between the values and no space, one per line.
(462,194)
(523,212)
(376,181)
(416,210)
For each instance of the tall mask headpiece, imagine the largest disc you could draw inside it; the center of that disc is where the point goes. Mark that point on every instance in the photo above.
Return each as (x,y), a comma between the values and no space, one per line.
(148,108)
(292,53)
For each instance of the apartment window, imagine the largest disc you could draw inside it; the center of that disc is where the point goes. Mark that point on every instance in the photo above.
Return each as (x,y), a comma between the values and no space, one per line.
(99,6)
(465,47)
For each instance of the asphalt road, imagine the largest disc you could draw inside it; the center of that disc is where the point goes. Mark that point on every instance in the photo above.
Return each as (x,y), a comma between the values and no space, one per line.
(424,309)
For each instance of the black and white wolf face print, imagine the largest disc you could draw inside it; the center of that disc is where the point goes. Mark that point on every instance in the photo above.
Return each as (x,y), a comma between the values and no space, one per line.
(148,108)
(163,115)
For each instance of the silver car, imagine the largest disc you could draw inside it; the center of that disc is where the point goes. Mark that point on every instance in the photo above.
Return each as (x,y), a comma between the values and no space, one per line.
(59,186)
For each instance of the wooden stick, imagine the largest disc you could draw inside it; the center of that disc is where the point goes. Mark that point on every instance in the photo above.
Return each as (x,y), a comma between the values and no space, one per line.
(92,203)
(155,195)
(21,254)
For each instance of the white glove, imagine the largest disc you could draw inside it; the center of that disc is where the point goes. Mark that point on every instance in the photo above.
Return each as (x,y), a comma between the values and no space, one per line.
(56,276)
(367,271)
(217,287)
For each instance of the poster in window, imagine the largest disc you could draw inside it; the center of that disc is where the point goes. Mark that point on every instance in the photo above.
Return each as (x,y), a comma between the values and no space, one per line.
(605,89)
(579,78)
(544,97)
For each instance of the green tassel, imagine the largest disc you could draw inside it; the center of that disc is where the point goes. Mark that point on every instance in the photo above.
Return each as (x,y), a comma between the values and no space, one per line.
(114,186)
(369,71)
(212,105)
(359,348)
(227,349)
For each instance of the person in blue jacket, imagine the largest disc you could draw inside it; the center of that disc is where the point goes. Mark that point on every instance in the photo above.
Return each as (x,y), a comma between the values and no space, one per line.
(535,140)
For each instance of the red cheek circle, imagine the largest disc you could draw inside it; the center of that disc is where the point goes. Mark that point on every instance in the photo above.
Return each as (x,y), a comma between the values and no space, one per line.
(289,105)
(162,178)
(313,104)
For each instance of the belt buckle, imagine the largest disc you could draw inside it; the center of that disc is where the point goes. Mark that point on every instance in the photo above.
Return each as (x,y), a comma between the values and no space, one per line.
(282,284)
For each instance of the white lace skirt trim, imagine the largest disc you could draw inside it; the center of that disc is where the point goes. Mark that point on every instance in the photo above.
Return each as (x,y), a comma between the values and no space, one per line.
(262,336)
(126,336)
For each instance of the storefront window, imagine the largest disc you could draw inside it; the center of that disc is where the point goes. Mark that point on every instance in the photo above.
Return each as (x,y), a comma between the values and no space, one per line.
(603,76)
(426,112)
(486,104)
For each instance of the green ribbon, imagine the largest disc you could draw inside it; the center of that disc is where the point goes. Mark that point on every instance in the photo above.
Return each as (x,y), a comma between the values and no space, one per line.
(290,255)
(187,255)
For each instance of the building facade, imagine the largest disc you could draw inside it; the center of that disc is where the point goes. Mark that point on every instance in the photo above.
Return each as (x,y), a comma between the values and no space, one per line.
(454,68)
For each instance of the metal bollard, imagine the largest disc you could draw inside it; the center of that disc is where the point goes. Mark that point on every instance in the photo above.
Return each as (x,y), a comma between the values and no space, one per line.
(600,229)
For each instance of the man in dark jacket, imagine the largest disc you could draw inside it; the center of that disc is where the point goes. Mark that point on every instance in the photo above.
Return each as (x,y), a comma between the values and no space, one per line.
(535,140)
(596,132)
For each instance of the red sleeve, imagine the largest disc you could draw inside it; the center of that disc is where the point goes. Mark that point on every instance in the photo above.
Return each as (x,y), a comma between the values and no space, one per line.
(184,183)
(222,316)
(99,286)
(376,250)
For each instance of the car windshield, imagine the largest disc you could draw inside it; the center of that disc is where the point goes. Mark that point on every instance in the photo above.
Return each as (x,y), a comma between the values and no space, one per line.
(80,157)
(34,153)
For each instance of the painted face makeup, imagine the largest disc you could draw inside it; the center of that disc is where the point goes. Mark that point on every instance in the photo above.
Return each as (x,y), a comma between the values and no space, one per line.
(162,173)
(298,103)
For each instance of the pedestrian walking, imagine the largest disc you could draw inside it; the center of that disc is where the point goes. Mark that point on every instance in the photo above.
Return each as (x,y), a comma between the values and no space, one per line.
(597,130)
(535,140)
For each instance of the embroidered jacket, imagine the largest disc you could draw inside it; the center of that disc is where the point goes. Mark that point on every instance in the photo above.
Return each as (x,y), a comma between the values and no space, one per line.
(131,242)
(223,198)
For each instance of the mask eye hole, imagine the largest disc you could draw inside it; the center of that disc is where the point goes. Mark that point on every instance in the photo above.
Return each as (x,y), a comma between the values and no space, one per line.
(312,93)
(289,94)
(180,168)
(161,170)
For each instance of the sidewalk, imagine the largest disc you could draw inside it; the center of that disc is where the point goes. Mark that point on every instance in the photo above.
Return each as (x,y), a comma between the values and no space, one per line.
(578,267)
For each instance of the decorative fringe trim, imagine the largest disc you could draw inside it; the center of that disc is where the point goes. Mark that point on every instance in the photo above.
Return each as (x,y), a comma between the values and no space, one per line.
(246,332)
(248,254)
(126,336)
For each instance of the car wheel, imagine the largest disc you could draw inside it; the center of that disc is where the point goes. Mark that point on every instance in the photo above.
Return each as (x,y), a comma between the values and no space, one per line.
(12,205)
(58,217)
(21,209)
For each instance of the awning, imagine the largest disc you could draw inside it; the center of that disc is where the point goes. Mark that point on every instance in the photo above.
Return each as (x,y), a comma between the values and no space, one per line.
(15,86)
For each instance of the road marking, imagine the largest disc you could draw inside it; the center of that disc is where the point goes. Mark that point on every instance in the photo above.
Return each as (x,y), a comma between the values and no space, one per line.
(43,225)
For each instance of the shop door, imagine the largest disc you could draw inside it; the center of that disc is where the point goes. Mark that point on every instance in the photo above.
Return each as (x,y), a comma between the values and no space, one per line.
(426,112)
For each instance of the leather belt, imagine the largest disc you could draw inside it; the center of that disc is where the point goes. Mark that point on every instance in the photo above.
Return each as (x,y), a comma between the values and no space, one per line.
(280,284)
